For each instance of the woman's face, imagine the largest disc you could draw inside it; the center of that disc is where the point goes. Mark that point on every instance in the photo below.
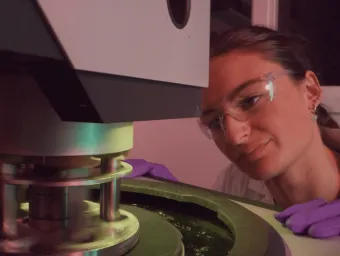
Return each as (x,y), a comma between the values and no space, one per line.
(277,132)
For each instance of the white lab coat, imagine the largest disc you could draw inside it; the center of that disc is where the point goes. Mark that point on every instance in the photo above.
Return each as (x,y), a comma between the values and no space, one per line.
(234,182)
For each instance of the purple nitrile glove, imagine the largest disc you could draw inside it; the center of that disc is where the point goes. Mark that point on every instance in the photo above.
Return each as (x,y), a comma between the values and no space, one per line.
(143,168)
(317,218)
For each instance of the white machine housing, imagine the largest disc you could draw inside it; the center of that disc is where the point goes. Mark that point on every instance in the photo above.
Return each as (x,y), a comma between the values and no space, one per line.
(133,38)
(110,61)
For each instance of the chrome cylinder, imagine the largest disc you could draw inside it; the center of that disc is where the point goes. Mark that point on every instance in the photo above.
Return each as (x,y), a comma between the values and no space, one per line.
(9,204)
(50,208)
(58,219)
(8,211)
(110,192)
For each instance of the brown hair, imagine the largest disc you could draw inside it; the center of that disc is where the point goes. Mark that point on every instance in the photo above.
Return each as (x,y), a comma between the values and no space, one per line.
(324,118)
(291,51)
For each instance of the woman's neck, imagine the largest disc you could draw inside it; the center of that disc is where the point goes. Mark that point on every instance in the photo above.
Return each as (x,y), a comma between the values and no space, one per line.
(314,175)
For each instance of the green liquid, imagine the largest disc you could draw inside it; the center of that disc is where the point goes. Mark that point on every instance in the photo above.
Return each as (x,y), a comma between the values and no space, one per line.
(200,236)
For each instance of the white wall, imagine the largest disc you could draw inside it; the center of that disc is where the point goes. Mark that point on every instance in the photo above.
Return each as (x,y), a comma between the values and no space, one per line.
(331,98)
(181,146)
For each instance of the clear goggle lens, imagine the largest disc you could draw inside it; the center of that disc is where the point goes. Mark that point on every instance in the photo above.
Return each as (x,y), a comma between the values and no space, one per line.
(242,106)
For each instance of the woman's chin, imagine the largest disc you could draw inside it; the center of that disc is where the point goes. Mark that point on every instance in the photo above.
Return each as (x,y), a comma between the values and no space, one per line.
(262,169)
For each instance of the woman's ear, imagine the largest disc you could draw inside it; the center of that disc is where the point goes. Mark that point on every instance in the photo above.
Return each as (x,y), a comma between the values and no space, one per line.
(312,89)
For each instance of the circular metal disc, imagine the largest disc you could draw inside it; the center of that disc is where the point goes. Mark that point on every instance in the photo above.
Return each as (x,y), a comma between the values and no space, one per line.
(156,236)
(35,178)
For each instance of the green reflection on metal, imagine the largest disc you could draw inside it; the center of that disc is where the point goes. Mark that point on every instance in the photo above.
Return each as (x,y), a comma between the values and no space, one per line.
(92,135)
(87,136)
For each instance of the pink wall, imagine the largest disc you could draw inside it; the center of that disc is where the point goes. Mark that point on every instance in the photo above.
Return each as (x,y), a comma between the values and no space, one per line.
(181,146)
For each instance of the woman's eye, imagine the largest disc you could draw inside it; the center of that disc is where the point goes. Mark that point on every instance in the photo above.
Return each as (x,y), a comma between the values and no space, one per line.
(215,124)
(249,102)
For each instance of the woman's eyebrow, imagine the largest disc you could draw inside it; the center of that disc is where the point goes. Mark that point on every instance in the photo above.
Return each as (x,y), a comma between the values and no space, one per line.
(241,87)
(232,95)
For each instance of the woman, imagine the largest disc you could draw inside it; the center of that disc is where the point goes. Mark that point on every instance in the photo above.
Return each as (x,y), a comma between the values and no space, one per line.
(261,111)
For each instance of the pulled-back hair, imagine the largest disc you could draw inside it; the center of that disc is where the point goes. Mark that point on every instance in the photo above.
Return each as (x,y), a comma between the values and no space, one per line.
(291,51)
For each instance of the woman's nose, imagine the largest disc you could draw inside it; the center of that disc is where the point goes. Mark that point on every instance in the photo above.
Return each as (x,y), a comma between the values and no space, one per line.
(236,132)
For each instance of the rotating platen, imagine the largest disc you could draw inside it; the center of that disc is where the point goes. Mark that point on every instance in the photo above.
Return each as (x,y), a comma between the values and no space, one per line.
(73,76)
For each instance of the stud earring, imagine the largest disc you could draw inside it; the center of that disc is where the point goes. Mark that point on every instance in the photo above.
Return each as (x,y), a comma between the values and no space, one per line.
(314,115)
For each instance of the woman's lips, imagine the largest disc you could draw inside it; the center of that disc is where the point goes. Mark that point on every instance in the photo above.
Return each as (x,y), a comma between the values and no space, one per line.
(256,153)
